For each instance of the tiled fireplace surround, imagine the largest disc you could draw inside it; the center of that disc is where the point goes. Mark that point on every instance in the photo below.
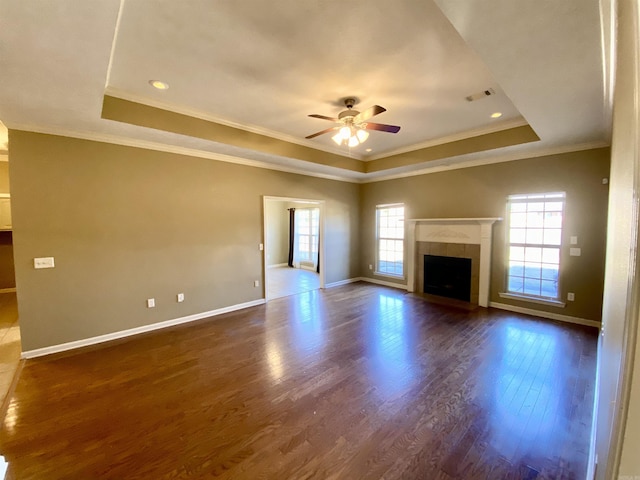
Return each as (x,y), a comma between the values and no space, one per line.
(451,237)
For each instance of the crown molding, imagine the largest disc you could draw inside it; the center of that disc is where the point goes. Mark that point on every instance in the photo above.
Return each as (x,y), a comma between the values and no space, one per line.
(453,164)
(506,125)
(114,92)
(190,152)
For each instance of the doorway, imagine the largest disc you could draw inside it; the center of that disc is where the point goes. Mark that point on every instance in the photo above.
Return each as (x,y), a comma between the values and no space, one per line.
(293,246)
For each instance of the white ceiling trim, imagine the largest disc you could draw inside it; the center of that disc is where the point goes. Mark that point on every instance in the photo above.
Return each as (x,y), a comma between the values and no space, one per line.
(505,125)
(113,92)
(161,147)
(113,43)
(453,164)
(521,122)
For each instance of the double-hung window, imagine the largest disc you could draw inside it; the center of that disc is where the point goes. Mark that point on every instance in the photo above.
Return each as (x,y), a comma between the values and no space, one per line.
(390,240)
(308,224)
(535,238)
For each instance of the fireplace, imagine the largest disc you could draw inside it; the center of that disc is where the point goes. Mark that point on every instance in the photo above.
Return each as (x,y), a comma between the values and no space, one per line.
(468,238)
(447,277)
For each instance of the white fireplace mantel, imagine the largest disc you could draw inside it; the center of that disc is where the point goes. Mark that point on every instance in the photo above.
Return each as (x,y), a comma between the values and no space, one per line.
(477,231)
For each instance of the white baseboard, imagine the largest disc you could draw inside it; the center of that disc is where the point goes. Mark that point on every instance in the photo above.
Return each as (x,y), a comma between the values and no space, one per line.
(278,265)
(550,315)
(383,282)
(342,282)
(63,347)
(8,290)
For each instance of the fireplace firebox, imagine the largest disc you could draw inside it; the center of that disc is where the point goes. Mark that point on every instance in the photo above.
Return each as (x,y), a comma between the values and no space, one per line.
(448,277)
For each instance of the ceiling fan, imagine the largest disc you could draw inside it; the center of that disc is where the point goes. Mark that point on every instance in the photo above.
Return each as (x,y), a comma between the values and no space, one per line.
(353,125)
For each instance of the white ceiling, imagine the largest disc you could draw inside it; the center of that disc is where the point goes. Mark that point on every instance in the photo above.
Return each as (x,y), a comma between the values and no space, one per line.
(265,66)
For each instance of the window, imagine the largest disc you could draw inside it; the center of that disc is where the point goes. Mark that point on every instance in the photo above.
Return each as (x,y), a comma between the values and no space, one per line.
(390,240)
(535,237)
(307,225)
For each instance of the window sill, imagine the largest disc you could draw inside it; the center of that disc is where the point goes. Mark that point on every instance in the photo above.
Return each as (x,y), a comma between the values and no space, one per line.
(388,275)
(526,298)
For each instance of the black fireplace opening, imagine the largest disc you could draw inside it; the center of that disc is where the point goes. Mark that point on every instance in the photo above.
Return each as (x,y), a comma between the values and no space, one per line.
(448,277)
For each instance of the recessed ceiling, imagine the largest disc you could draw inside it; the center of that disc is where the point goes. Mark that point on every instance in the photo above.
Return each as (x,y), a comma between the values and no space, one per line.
(264,67)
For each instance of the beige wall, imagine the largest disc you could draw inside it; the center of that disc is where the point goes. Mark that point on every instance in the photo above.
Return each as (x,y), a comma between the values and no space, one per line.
(4,176)
(277,232)
(127,224)
(482,192)
(7,276)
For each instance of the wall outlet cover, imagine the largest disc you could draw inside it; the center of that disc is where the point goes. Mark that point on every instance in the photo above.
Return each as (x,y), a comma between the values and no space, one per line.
(43,262)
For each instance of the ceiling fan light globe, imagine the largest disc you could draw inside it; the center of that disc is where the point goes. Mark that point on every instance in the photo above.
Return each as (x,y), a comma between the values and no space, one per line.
(354,142)
(345,133)
(362,135)
(337,138)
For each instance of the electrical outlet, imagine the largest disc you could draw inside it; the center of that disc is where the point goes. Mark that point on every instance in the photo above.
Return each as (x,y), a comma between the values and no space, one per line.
(370,267)
(151,302)
(256,283)
(571,297)
(180,297)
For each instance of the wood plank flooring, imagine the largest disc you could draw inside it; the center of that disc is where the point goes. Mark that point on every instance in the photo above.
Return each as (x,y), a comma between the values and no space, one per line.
(10,347)
(354,382)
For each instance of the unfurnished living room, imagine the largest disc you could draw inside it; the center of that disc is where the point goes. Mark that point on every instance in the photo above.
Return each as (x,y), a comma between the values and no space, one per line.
(319,239)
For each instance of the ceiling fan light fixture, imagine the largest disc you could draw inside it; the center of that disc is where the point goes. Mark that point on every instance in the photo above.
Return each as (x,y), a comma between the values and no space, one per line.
(345,133)
(362,135)
(353,141)
(337,138)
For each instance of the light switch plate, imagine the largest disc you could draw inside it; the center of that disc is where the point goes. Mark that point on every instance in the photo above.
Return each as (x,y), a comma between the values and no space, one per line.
(574,240)
(43,262)
(180,297)
(262,246)
(151,302)
(575,252)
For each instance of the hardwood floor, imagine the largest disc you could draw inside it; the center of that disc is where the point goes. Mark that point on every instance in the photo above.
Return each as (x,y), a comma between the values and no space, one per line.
(355,382)
(10,347)
(285,281)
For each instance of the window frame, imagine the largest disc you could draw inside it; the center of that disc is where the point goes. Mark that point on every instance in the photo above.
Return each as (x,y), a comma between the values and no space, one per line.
(532,198)
(378,238)
(309,212)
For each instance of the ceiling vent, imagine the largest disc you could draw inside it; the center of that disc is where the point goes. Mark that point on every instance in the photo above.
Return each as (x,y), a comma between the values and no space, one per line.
(477,96)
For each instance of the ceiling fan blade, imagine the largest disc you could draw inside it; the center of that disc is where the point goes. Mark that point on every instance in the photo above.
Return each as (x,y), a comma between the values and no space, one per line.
(322,132)
(368,113)
(381,127)
(322,117)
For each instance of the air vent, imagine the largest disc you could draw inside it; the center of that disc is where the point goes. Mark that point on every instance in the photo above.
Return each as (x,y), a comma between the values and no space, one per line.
(477,96)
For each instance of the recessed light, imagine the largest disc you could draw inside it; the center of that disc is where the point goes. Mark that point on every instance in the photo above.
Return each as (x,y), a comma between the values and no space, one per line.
(496,115)
(368,150)
(158,84)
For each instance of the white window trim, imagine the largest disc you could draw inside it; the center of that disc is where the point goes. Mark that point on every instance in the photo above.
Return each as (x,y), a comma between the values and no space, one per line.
(533,299)
(377,272)
(522,198)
